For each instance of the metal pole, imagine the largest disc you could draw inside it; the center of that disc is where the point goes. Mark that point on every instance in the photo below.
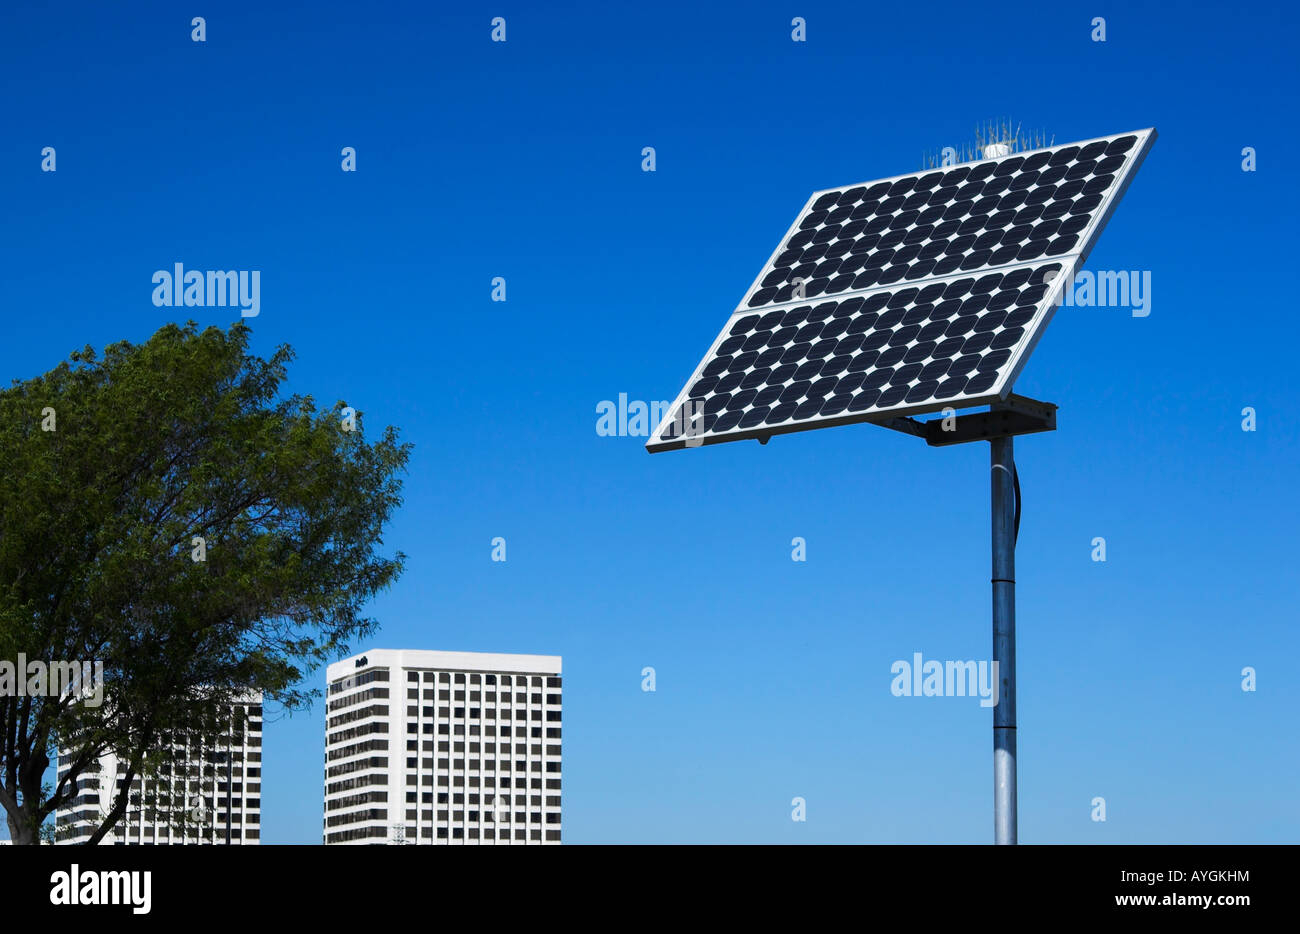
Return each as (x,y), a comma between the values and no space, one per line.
(1002,467)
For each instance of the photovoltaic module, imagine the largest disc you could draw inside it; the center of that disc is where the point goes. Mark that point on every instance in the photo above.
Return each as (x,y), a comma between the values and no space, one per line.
(906,295)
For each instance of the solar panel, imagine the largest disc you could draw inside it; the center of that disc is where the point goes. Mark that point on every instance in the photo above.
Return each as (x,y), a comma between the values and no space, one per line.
(905,295)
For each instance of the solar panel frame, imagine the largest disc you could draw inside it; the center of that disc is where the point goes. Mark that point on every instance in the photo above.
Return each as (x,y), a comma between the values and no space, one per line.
(1070,261)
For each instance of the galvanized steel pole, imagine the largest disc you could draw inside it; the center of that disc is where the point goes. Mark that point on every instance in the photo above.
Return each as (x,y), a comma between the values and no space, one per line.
(1002,468)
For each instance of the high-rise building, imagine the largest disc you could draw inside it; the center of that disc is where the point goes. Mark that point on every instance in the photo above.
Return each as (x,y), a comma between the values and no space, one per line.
(443,747)
(204,787)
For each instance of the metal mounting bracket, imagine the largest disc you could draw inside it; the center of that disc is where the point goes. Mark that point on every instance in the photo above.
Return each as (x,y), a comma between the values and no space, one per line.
(1015,415)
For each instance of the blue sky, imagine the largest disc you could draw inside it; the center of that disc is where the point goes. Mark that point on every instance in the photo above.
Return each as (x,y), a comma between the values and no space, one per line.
(523,160)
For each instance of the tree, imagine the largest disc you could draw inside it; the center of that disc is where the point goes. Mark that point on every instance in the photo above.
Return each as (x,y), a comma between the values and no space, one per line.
(168,512)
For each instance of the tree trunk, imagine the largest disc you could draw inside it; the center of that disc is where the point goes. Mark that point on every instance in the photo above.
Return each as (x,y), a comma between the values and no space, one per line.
(24,829)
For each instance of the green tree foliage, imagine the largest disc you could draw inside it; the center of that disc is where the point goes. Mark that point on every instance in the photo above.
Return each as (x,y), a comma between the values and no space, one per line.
(186,436)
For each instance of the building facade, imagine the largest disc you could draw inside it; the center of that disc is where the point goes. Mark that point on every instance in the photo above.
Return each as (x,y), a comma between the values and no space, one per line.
(199,791)
(443,747)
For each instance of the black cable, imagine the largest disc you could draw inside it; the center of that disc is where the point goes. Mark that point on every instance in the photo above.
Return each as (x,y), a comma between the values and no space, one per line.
(1015,482)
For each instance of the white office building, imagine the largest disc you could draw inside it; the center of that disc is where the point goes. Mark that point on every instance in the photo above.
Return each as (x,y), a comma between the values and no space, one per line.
(205,791)
(443,747)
